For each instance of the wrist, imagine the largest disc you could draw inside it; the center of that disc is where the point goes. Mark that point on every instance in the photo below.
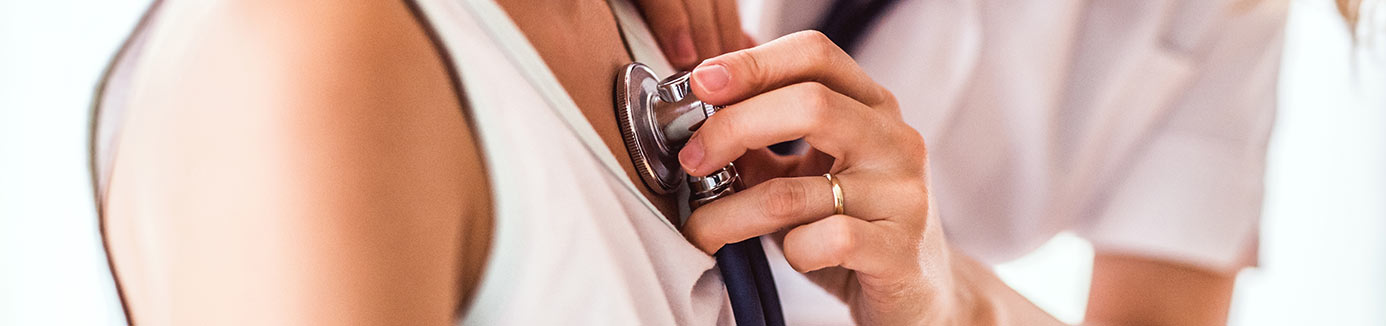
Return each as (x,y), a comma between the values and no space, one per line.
(961,302)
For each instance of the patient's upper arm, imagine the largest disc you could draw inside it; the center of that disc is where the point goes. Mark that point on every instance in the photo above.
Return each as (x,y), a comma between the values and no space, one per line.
(294,162)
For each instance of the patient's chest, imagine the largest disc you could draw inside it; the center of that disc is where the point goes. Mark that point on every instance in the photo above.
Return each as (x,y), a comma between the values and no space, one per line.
(575,241)
(581,43)
(573,244)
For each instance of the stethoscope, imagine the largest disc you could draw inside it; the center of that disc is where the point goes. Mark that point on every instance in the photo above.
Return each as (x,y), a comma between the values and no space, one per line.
(656,118)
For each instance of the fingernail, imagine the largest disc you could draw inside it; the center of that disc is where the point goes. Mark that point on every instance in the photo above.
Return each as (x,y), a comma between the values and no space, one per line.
(683,52)
(691,155)
(711,78)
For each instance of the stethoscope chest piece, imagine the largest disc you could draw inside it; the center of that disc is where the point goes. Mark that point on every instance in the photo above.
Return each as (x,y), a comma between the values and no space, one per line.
(655,161)
(656,118)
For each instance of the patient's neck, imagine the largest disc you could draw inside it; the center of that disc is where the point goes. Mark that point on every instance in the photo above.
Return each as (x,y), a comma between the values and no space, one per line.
(581,43)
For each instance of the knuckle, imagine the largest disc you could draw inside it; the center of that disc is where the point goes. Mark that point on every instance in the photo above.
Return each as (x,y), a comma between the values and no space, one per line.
(919,150)
(912,145)
(890,98)
(784,199)
(913,138)
(891,104)
(812,34)
(919,188)
(820,95)
(914,195)
(817,100)
(811,37)
(818,44)
(840,237)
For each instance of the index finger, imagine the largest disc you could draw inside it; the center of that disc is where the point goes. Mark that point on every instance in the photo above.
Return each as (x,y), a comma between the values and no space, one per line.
(800,57)
(774,205)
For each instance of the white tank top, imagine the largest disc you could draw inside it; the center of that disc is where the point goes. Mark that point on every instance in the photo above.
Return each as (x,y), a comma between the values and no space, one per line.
(575,242)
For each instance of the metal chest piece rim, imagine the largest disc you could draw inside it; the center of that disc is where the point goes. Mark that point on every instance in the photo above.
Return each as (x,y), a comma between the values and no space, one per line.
(657,163)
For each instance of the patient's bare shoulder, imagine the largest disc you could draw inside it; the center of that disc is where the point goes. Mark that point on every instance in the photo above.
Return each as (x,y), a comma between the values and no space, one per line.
(300,162)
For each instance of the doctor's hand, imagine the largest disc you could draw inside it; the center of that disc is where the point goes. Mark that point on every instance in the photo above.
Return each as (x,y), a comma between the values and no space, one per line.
(885,255)
(692,30)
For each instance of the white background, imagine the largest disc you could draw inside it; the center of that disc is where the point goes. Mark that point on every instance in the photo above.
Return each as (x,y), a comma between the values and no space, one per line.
(1323,255)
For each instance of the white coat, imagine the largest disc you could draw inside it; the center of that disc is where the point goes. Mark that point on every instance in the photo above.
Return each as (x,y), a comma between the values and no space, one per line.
(1140,126)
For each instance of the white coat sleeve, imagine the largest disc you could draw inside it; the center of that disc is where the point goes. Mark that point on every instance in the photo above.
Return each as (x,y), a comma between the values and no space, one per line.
(1191,190)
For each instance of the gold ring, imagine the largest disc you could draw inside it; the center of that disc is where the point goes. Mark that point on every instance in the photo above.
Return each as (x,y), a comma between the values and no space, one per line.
(837,194)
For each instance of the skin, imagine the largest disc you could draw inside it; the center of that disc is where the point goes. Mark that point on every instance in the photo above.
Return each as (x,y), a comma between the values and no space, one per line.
(582,45)
(309,165)
(313,165)
(1129,290)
